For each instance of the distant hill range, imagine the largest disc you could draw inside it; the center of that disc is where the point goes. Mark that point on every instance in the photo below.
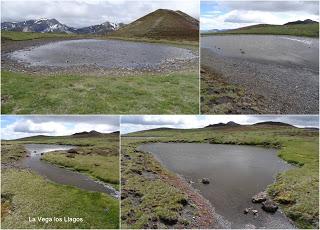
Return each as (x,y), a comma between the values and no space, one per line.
(162,24)
(93,133)
(219,125)
(214,30)
(54,26)
(84,134)
(157,132)
(275,123)
(234,124)
(306,27)
(307,21)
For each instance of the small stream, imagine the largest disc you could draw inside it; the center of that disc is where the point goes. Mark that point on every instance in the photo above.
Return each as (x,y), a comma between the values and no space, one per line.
(62,175)
(236,173)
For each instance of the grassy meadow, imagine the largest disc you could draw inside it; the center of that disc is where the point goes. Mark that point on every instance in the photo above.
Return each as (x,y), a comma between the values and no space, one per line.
(23,190)
(296,190)
(22,36)
(63,94)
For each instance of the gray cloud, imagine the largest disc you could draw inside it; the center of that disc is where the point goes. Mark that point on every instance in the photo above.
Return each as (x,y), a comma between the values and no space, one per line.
(88,119)
(13,127)
(311,7)
(150,120)
(239,19)
(79,13)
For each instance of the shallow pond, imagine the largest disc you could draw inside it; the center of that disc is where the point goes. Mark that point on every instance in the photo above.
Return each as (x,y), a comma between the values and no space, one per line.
(102,53)
(296,50)
(62,175)
(236,173)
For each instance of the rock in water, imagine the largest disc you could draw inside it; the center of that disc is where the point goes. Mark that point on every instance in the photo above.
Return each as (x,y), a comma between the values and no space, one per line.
(205,181)
(259,198)
(269,206)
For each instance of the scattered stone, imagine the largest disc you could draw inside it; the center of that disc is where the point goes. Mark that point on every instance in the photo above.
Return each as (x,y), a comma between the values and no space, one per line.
(27,155)
(41,154)
(72,151)
(106,210)
(249,226)
(246,211)
(254,211)
(269,206)
(205,181)
(96,164)
(34,151)
(259,198)
(191,182)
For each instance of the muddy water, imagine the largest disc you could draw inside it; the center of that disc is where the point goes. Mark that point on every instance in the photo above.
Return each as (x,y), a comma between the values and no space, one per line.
(236,173)
(62,175)
(102,53)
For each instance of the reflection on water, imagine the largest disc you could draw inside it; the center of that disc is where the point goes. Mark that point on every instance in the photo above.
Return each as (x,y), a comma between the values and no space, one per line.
(236,173)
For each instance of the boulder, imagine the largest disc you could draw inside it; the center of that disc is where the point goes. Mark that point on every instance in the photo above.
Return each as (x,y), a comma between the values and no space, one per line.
(41,154)
(205,181)
(269,206)
(259,198)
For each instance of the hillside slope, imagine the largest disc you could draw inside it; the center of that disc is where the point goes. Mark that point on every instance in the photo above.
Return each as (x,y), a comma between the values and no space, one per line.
(162,24)
(306,29)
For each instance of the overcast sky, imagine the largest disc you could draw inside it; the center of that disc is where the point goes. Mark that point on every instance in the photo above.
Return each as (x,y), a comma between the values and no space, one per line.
(13,127)
(80,13)
(137,123)
(235,14)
